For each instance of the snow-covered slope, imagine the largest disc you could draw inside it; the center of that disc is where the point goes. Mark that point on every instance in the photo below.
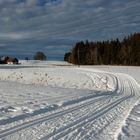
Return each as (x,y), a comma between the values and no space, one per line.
(56,100)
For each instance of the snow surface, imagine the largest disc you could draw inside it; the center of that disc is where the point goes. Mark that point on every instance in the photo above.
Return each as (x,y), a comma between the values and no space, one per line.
(56,100)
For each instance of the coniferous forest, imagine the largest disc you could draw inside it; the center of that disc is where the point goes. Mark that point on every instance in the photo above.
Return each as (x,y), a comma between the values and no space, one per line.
(114,52)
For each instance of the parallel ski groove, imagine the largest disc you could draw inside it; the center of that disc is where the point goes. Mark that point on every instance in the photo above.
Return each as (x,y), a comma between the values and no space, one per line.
(60,133)
(46,118)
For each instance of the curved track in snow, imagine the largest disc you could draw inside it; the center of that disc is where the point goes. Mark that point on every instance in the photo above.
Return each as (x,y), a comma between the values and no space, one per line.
(97,117)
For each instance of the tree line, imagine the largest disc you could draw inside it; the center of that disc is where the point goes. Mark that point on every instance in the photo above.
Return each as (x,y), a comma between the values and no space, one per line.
(114,52)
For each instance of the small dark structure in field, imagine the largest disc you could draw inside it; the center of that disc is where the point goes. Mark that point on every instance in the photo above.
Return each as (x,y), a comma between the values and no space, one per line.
(8,60)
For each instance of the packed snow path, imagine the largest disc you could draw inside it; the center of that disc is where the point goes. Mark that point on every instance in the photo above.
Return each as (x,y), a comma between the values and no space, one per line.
(99,113)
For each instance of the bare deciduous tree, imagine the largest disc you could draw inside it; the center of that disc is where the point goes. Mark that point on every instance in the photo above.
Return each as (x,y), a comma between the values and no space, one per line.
(40,56)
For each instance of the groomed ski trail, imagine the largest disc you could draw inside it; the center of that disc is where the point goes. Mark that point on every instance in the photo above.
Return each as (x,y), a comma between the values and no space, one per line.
(89,119)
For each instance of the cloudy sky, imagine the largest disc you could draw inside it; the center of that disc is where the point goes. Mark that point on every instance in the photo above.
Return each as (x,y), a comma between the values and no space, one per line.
(54,26)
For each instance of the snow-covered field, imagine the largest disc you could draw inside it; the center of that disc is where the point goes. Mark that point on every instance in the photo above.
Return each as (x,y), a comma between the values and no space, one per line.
(57,100)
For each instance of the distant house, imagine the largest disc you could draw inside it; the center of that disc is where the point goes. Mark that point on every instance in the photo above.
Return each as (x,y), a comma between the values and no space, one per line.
(12,60)
(8,60)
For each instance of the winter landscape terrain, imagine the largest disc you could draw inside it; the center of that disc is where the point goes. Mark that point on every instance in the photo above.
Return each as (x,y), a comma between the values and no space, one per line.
(56,100)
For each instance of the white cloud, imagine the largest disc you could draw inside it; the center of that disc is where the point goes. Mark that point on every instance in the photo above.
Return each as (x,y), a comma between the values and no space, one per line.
(12,36)
(64,22)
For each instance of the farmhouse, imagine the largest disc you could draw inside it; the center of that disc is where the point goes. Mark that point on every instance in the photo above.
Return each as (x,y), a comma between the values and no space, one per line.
(8,60)
(12,61)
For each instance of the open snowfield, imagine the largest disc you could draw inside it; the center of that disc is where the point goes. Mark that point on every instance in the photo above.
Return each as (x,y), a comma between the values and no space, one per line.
(56,100)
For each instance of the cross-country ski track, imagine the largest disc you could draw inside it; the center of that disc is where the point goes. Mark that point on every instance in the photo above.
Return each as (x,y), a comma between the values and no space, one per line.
(100,115)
